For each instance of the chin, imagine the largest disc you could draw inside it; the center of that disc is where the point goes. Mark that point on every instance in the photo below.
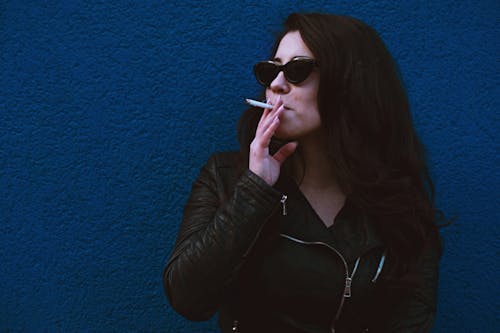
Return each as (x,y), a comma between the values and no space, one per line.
(282,135)
(286,137)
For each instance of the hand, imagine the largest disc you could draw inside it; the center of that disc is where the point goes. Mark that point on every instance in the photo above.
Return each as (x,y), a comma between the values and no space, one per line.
(260,162)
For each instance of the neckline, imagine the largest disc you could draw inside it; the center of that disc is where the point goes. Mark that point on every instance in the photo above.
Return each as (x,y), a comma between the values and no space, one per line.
(342,213)
(349,216)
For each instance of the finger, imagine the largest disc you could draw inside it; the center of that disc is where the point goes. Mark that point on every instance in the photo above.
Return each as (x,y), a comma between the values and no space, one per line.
(276,106)
(284,152)
(264,116)
(265,113)
(265,139)
(266,123)
(272,116)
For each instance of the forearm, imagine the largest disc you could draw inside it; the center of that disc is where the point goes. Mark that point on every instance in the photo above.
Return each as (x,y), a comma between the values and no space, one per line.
(213,242)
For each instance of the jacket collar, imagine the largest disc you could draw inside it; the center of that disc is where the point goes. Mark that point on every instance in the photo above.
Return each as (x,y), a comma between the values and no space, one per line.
(352,234)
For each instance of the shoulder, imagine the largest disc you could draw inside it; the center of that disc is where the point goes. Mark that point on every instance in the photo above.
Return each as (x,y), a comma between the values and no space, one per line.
(224,160)
(224,169)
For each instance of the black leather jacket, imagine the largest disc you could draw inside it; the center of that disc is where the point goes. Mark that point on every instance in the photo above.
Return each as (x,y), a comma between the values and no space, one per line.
(262,258)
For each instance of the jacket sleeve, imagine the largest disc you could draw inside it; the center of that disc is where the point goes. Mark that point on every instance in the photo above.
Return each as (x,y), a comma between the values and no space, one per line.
(214,238)
(416,315)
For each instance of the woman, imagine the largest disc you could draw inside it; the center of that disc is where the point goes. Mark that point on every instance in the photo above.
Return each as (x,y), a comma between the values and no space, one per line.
(324,221)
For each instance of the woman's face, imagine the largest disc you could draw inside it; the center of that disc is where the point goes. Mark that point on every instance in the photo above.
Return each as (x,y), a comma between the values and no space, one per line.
(301,116)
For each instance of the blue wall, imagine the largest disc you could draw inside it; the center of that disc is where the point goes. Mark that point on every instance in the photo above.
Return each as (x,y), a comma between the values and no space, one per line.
(108,110)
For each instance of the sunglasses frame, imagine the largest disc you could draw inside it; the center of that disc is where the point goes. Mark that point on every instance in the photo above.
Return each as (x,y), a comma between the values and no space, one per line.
(279,68)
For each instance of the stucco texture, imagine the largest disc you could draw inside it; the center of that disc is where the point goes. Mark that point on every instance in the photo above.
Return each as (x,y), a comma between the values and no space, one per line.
(109,108)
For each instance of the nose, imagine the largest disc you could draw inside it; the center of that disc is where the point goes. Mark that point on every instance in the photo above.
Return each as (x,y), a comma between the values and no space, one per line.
(280,85)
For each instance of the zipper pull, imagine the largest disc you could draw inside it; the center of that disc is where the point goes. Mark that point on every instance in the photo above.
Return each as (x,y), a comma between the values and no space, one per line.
(347,290)
(283,203)
(235,326)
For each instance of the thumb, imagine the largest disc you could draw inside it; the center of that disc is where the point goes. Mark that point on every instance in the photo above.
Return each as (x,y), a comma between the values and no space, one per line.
(282,154)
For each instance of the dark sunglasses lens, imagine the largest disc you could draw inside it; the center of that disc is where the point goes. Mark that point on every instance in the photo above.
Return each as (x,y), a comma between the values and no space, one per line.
(265,72)
(298,70)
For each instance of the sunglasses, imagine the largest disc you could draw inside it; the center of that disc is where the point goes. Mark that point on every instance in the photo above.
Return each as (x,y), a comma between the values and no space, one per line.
(296,70)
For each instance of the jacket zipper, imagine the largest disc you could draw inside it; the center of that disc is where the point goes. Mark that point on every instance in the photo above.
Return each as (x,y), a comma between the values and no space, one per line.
(283,204)
(348,278)
(380,266)
(235,327)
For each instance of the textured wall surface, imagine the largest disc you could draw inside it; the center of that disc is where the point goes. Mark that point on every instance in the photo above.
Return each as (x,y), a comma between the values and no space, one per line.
(108,110)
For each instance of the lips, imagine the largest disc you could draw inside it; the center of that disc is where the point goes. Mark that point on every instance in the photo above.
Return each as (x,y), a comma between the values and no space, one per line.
(287,107)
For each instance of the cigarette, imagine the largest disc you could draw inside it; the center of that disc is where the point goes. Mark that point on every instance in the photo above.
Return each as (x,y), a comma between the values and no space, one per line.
(258,104)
